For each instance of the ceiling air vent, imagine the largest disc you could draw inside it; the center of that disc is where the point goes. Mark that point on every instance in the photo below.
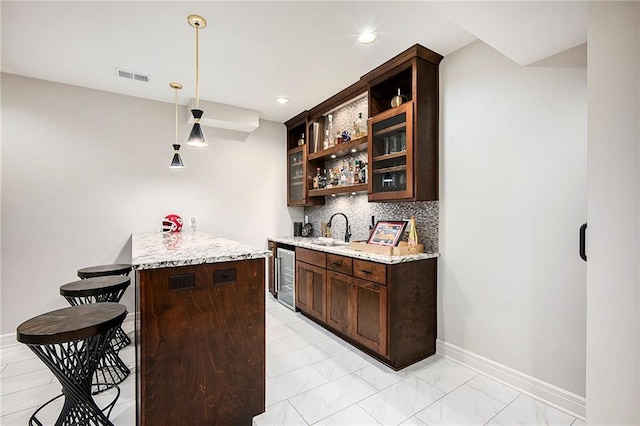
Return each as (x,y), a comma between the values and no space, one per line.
(132,75)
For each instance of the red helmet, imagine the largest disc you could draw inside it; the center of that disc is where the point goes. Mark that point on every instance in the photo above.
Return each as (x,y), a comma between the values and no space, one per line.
(172,223)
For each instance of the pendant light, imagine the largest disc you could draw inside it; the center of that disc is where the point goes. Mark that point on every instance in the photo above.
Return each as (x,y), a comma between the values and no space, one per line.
(176,163)
(196,138)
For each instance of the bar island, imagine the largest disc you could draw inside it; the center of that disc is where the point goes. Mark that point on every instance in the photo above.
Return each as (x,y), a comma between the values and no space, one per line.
(200,331)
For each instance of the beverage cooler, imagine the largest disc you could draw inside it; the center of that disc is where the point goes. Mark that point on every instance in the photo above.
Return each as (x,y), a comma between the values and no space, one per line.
(285,275)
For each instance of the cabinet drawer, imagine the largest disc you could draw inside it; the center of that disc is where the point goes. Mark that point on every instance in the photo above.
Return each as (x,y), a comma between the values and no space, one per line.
(376,272)
(311,256)
(339,264)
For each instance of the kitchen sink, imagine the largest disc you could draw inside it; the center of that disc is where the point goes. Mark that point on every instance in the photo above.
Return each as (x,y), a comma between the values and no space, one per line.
(323,241)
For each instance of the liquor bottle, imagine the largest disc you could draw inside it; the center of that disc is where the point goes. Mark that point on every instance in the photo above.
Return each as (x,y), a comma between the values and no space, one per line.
(316,179)
(336,176)
(356,173)
(301,140)
(343,175)
(351,175)
(361,125)
(363,172)
(323,180)
(330,179)
(413,233)
(331,139)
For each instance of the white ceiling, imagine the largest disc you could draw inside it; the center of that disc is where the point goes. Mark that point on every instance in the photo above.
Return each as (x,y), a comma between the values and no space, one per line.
(252,52)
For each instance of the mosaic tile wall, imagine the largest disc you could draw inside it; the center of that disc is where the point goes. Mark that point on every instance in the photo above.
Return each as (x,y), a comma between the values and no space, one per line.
(344,117)
(359,212)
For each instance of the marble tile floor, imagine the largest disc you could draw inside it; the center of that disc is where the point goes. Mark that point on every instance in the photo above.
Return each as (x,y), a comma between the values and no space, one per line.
(313,378)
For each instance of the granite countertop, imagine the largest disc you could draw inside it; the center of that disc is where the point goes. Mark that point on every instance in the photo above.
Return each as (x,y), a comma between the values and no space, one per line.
(161,250)
(313,243)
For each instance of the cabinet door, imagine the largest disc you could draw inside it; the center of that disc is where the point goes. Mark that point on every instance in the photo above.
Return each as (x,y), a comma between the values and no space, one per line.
(370,321)
(310,290)
(391,174)
(340,298)
(296,177)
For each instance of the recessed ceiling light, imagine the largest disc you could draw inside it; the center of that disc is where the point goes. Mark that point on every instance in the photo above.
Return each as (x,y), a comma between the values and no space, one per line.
(282,100)
(367,37)
(333,156)
(353,150)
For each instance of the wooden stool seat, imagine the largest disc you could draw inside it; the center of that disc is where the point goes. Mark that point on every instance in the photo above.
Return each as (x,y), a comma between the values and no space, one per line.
(104,270)
(71,342)
(95,289)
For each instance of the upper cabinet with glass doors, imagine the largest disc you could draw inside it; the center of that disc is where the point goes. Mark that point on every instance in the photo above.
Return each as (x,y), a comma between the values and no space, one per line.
(403,128)
(402,137)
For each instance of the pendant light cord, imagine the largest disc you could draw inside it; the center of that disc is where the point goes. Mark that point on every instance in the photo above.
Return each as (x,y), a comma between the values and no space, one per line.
(176,102)
(197,69)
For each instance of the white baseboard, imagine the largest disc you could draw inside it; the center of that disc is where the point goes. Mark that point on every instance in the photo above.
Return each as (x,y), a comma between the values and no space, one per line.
(550,394)
(9,339)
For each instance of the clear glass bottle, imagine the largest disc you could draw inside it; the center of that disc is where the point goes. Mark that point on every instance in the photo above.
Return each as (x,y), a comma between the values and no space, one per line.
(301,140)
(351,175)
(316,179)
(332,141)
(323,180)
(361,125)
(326,139)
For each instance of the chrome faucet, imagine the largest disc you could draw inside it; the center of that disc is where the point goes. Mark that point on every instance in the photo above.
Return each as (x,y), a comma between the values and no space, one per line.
(347,232)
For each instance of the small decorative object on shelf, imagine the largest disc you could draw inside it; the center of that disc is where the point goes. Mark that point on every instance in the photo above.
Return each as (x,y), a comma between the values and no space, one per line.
(346,137)
(172,223)
(398,99)
(301,140)
(413,233)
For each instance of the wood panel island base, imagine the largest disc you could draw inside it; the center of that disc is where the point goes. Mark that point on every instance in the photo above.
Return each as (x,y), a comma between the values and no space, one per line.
(200,331)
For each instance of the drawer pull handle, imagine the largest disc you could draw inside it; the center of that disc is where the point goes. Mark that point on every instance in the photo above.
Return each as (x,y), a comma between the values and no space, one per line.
(337,263)
(366,271)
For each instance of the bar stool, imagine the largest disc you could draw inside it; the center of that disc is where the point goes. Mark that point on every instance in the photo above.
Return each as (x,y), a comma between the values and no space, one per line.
(111,369)
(105,271)
(71,342)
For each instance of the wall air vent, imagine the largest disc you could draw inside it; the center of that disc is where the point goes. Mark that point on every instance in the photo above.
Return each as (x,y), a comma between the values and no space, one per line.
(132,75)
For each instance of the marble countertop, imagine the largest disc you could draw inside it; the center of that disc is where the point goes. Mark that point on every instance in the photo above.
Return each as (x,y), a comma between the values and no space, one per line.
(313,243)
(162,250)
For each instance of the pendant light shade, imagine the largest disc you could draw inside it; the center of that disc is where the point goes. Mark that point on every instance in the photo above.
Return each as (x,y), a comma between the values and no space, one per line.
(176,162)
(196,137)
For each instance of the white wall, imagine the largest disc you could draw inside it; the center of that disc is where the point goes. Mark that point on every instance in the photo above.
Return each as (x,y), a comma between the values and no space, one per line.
(82,170)
(512,198)
(613,322)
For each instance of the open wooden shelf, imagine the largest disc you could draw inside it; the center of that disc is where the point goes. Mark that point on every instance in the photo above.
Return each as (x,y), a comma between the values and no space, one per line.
(341,149)
(340,189)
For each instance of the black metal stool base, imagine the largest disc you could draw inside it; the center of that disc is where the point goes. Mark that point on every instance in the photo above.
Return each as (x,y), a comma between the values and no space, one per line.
(74,414)
(111,371)
(120,340)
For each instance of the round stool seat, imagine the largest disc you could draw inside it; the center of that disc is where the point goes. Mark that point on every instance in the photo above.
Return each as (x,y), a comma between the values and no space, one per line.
(71,342)
(104,270)
(74,323)
(99,287)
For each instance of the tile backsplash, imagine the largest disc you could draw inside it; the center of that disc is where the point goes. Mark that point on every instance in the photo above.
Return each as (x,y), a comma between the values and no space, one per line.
(359,211)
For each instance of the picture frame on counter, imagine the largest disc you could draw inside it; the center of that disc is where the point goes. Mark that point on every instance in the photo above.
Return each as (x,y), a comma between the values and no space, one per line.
(387,233)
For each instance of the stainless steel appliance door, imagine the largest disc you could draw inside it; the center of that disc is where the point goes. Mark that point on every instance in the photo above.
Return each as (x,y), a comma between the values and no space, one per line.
(286,277)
